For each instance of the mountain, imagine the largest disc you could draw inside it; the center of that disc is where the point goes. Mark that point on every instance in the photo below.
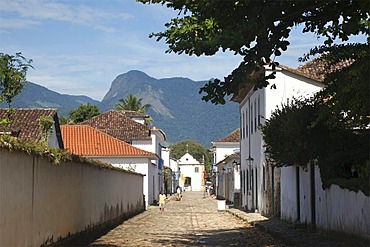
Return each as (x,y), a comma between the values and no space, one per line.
(36,96)
(176,106)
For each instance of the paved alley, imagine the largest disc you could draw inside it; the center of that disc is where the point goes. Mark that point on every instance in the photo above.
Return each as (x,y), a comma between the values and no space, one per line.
(194,221)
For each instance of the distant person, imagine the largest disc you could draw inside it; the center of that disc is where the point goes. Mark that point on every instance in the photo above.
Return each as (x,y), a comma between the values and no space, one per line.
(162,201)
(178,193)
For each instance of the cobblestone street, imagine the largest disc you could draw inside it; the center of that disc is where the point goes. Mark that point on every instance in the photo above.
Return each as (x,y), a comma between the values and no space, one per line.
(194,221)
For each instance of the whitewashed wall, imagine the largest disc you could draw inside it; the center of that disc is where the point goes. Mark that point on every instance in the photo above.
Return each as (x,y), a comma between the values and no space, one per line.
(41,202)
(342,210)
(288,196)
(228,181)
(336,209)
(196,177)
(224,149)
(140,165)
(153,147)
(256,107)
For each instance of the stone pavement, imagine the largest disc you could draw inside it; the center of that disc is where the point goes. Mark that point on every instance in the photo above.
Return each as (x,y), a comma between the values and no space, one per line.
(194,221)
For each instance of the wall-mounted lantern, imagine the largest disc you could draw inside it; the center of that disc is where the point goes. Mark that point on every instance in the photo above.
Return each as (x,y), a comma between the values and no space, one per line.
(236,165)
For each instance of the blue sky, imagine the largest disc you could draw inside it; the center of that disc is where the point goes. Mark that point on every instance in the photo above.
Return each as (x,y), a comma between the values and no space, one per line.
(80,47)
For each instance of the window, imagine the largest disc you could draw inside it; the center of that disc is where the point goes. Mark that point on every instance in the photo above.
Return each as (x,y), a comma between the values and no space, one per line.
(264,178)
(243,131)
(196,169)
(251,117)
(259,110)
(246,122)
(255,114)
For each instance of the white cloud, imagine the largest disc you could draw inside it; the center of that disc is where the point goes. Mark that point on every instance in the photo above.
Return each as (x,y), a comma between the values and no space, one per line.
(17,23)
(36,10)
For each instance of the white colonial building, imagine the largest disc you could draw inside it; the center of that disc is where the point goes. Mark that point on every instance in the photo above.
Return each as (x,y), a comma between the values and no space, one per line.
(228,179)
(258,178)
(191,173)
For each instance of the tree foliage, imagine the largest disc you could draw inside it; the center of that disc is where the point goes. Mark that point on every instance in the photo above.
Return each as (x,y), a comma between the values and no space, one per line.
(196,150)
(344,101)
(255,30)
(300,133)
(83,112)
(288,135)
(46,125)
(131,103)
(13,70)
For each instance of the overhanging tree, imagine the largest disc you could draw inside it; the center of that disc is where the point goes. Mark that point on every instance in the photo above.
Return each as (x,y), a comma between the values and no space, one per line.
(13,70)
(255,30)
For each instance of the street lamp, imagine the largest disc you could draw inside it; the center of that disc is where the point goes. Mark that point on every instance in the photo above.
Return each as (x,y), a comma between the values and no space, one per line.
(236,165)
(250,163)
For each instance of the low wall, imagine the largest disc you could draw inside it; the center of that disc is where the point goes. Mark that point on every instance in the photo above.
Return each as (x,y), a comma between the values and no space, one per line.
(334,209)
(42,203)
(342,210)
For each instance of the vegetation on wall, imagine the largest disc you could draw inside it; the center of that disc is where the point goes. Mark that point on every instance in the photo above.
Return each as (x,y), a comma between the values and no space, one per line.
(54,155)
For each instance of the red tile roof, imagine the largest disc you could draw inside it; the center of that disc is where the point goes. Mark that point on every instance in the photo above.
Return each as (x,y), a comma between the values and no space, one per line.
(318,68)
(25,123)
(117,125)
(87,141)
(232,137)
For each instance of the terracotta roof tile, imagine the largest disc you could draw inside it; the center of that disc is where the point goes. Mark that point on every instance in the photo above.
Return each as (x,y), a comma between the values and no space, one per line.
(117,125)
(318,68)
(232,137)
(25,123)
(88,141)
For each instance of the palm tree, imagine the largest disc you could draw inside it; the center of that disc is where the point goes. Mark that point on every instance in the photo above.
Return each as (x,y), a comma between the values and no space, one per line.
(131,103)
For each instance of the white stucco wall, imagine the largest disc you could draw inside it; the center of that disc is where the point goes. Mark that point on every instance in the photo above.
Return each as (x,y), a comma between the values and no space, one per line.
(140,165)
(174,165)
(257,107)
(228,181)
(336,209)
(342,210)
(188,165)
(41,202)
(288,194)
(224,149)
(154,146)
(196,177)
